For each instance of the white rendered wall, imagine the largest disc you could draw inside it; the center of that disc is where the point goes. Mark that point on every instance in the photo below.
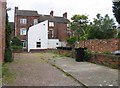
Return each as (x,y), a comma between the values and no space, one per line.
(52,43)
(38,33)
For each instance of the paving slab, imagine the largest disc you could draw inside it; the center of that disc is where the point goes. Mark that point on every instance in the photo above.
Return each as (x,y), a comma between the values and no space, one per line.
(88,73)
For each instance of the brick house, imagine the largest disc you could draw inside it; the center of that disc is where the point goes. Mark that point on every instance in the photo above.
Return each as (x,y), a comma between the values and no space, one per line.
(57,26)
(2,28)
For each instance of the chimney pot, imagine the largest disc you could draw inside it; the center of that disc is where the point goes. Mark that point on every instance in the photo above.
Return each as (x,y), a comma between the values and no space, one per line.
(16,8)
(65,15)
(51,13)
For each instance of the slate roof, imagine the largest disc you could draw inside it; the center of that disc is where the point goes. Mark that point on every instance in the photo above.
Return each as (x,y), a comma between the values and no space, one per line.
(42,17)
(26,13)
(54,19)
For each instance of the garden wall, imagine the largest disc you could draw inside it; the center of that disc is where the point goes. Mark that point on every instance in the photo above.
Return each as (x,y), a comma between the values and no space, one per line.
(111,61)
(102,45)
(107,60)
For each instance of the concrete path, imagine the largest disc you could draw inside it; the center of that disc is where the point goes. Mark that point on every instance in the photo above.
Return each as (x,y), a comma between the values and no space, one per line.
(87,73)
(31,70)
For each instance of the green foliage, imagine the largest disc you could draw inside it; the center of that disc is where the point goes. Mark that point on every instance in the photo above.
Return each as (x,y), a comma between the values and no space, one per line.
(16,42)
(118,36)
(8,55)
(8,77)
(16,47)
(107,52)
(71,40)
(87,55)
(116,11)
(102,28)
(8,52)
(79,27)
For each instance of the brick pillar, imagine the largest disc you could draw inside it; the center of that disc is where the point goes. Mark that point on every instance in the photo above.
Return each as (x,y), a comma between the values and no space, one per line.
(2,28)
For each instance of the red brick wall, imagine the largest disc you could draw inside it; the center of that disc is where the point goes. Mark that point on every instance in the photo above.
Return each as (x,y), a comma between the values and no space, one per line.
(102,45)
(18,26)
(107,60)
(60,29)
(2,28)
(111,61)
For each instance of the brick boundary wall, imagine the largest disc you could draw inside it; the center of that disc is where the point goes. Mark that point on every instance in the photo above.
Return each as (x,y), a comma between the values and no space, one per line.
(107,60)
(2,28)
(111,61)
(102,45)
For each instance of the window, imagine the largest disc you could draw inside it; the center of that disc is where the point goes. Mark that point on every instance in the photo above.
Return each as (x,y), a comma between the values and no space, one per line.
(38,44)
(35,21)
(68,25)
(23,31)
(51,24)
(24,43)
(51,31)
(23,21)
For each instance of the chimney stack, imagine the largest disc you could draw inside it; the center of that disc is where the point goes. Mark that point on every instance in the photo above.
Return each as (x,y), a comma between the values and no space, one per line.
(16,8)
(51,13)
(65,15)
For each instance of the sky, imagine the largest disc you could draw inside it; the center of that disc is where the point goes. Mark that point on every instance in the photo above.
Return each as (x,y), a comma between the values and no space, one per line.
(72,7)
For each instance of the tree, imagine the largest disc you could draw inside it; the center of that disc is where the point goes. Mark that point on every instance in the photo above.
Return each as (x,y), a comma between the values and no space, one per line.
(102,28)
(79,27)
(8,52)
(116,10)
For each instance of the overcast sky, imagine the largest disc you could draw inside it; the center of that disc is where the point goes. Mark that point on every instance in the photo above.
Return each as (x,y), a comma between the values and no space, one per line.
(72,7)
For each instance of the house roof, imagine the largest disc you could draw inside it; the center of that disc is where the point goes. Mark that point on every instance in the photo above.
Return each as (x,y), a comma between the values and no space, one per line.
(54,19)
(27,13)
(42,17)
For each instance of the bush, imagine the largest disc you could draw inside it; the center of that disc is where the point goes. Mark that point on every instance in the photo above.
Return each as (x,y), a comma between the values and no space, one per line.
(8,55)
(16,47)
(16,41)
(118,36)
(87,54)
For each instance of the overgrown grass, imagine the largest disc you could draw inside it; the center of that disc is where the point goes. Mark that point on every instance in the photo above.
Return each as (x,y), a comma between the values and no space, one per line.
(8,77)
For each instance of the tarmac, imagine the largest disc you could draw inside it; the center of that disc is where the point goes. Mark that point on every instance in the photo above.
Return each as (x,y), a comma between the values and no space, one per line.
(86,73)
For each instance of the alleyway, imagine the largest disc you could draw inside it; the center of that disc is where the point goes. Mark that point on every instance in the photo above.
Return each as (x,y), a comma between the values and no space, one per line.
(30,70)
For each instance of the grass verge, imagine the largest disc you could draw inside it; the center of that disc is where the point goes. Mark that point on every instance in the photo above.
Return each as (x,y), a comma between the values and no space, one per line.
(7,75)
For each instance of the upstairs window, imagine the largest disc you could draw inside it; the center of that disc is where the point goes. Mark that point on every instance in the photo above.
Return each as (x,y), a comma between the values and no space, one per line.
(51,24)
(51,32)
(35,21)
(23,31)
(23,21)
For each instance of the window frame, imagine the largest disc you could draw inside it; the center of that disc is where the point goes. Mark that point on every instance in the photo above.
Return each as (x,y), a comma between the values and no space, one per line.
(21,31)
(51,24)
(24,43)
(23,21)
(35,21)
(51,29)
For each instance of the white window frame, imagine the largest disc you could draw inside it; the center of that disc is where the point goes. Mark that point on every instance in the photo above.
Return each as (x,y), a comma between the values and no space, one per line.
(51,24)
(68,25)
(51,29)
(35,21)
(23,21)
(24,43)
(23,31)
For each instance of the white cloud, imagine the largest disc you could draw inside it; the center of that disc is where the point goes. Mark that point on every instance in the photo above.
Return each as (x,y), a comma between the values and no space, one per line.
(89,7)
